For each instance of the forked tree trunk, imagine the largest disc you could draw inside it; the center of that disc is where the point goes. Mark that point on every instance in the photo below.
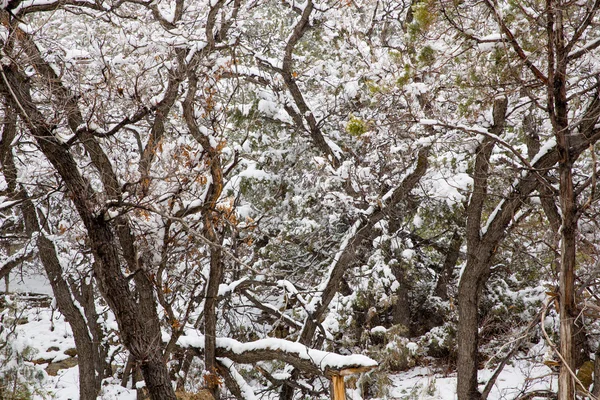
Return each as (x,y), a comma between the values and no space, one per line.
(480,250)
(136,315)
(88,349)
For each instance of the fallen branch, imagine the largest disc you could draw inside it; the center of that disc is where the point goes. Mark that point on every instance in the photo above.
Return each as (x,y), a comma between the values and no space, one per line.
(311,361)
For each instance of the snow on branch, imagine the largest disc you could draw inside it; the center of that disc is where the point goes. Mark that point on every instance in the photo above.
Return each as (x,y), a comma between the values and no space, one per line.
(309,360)
(24,254)
(485,132)
(244,390)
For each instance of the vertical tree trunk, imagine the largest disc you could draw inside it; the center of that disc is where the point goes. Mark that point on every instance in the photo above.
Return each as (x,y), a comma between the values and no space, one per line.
(480,251)
(596,387)
(157,378)
(401,309)
(210,322)
(468,328)
(559,113)
(568,312)
(568,309)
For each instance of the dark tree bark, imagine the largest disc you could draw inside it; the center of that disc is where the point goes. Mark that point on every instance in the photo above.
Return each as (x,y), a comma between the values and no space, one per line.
(476,271)
(447,272)
(560,122)
(91,357)
(568,148)
(596,387)
(401,309)
(137,318)
(210,322)
(211,226)
(111,239)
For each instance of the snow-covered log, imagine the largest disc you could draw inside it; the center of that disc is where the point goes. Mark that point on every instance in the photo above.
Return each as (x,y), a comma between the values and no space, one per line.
(308,360)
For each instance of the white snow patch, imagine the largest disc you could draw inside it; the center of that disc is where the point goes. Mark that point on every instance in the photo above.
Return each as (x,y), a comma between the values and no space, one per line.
(379,329)
(322,359)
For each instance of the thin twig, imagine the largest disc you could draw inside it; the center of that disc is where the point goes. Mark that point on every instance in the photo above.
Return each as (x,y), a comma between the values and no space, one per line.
(500,367)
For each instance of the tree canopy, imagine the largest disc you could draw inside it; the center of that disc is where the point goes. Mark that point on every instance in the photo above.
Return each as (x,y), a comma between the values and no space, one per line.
(249,198)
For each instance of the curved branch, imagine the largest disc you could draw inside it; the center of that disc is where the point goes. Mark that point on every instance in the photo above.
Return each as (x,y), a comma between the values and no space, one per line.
(288,77)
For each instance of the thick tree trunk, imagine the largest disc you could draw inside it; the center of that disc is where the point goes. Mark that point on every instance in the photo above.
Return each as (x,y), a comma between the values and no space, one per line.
(468,330)
(568,309)
(157,377)
(138,320)
(480,250)
(401,309)
(568,205)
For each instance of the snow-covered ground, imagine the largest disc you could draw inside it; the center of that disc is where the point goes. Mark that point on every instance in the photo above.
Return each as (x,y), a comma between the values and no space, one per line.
(27,281)
(423,383)
(43,336)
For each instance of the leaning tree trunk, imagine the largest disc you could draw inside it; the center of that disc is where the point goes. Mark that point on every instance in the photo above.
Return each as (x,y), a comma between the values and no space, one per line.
(88,350)
(136,314)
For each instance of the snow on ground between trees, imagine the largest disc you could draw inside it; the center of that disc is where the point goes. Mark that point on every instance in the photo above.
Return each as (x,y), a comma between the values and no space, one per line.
(43,329)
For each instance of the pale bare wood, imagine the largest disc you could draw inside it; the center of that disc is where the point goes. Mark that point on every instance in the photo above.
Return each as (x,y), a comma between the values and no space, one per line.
(339,390)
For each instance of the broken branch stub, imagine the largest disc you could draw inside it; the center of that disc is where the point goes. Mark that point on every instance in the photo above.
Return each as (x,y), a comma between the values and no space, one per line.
(337,379)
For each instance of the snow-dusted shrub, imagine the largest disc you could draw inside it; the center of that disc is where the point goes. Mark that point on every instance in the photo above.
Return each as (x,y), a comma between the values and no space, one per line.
(20,379)
(397,353)
(440,342)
